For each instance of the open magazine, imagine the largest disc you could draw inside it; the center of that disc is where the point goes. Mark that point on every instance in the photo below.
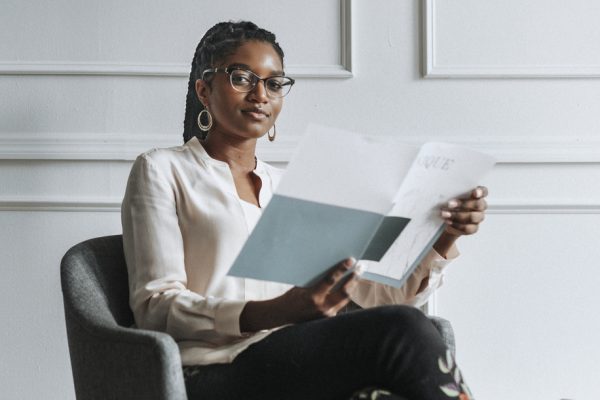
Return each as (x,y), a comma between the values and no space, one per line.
(350,195)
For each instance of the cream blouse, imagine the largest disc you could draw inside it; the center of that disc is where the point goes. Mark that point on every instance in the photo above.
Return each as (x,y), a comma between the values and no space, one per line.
(183,225)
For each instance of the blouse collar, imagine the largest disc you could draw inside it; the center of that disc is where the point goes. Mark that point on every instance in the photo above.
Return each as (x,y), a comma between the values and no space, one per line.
(200,151)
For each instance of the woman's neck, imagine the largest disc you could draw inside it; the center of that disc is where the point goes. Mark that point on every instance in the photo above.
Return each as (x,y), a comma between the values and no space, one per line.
(239,155)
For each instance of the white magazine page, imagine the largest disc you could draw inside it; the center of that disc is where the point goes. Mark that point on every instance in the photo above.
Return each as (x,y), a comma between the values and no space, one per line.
(329,205)
(439,173)
(347,169)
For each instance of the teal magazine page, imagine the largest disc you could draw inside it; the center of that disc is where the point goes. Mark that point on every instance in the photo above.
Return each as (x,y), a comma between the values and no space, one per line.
(346,194)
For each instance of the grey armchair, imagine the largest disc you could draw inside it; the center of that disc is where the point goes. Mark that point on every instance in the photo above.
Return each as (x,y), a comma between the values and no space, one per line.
(109,359)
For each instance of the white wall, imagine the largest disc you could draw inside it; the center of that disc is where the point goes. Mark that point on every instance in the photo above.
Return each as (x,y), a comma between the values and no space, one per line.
(86,85)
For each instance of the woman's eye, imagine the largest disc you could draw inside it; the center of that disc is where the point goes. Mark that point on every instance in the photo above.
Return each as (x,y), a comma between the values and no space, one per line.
(275,84)
(241,79)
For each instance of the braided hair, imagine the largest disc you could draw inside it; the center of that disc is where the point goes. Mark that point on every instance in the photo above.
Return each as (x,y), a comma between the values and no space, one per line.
(219,42)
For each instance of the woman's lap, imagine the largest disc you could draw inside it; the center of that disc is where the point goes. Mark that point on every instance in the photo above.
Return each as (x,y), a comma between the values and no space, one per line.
(392,347)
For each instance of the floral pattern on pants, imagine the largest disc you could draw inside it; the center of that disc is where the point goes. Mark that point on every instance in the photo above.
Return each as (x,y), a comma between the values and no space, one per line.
(456,387)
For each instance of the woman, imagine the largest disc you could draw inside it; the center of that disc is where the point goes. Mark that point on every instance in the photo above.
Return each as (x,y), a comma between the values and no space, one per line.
(187,212)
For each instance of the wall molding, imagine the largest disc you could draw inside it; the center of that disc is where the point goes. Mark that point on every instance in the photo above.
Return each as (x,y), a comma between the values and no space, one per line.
(154,70)
(346,36)
(113,204)
(54,204)
(72,146)
(545,207)
(432,68)
(126,147)
(343,70)
(112,146)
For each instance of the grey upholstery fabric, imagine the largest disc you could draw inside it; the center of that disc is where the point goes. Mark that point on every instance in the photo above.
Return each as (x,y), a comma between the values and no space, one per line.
(109,359)
(445,329)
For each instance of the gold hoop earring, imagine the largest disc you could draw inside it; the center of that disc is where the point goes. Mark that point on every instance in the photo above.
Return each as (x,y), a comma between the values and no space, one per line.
(205,128)
(272,137)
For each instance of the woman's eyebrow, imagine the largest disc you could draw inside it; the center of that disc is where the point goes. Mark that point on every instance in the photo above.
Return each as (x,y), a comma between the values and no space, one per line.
(247,67)
(239,65)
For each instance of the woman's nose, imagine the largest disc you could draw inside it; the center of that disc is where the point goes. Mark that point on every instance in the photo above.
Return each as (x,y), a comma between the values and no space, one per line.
(259,91)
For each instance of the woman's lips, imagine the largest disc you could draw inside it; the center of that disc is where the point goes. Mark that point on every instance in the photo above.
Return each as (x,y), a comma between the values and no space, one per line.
(256,114)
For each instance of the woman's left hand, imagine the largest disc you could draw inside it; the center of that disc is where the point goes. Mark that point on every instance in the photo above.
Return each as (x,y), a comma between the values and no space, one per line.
(462,217)
(464,214)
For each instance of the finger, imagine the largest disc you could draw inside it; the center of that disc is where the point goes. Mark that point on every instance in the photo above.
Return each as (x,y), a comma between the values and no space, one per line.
(334,275)
(475,205)
(341,290)
(341,298)
(452,204)
(341,286)
(332,312)
(466,205)
(479,192)
(463,217)
(462,229)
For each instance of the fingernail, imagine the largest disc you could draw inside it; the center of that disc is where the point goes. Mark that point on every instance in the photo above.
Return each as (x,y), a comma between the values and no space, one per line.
(453,203)
(478,192)
(360,268)
(350,262)
(446,214)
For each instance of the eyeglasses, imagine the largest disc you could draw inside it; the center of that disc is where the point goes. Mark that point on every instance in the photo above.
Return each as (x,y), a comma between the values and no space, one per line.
(245,81)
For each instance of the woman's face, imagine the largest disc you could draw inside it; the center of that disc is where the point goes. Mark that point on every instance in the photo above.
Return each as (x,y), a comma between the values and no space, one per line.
(244,115)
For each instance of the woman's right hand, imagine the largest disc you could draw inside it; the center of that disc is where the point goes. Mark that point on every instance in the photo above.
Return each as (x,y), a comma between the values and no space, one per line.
(324,299)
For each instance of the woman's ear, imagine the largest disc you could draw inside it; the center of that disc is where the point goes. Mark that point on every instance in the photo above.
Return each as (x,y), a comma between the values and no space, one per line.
(202,91)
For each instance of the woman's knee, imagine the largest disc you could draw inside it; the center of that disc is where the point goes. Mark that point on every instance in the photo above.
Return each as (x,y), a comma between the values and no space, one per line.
(398,315)
(400,320)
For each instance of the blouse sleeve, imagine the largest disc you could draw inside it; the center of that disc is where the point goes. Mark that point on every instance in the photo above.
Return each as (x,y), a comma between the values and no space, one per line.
(370,294)
(154,253)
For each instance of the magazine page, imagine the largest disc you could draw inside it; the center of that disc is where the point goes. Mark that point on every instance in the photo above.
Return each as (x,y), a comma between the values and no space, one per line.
(439,173)
(335,193)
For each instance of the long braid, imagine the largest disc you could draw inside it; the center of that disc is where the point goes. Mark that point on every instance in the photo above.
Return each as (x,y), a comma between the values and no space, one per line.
(219,42)
(193,106)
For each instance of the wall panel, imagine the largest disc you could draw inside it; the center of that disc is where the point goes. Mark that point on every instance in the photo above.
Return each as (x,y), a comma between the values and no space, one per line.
(532,39)
(519,301)
(163,36)
(86,87)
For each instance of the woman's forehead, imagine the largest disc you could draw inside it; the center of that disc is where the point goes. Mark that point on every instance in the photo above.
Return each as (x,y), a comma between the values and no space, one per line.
(258,56)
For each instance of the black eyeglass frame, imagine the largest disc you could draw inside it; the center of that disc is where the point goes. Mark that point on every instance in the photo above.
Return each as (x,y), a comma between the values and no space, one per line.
(229,70)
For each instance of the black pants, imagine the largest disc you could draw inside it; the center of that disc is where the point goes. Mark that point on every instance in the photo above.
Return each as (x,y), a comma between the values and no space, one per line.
(394,347)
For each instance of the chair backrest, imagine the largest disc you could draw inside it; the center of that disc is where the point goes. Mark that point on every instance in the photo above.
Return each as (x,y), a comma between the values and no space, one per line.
(94,283)
(109,360)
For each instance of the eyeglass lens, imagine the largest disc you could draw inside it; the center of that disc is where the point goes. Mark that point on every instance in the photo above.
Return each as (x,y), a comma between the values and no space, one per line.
(245,81)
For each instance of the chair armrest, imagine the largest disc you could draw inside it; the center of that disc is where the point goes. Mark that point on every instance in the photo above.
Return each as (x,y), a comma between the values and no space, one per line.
(106,363)
(444,327)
